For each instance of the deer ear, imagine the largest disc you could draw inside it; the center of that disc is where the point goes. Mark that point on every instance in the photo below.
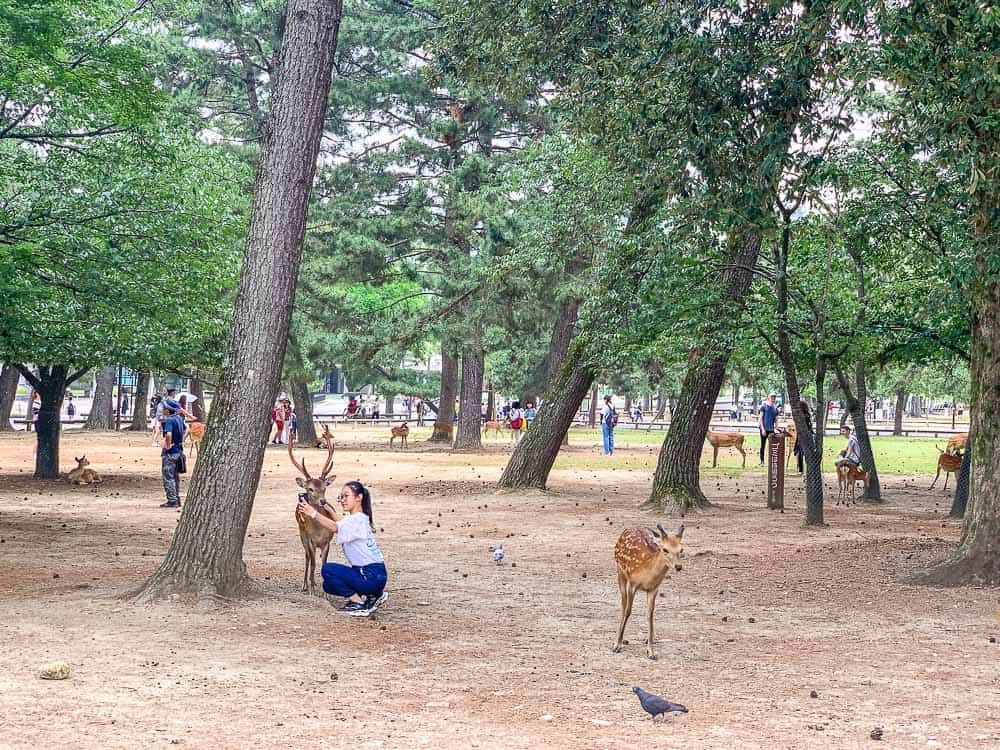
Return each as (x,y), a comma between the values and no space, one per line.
(680,531)
(300,482)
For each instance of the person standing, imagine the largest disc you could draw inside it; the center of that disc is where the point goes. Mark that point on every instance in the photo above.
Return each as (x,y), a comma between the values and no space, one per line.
(171,454)
(36,408)
(278,417)
(799,454)
(766,419)
(286,414)
(70,407)
(530,413)
(609,420)
(516,421)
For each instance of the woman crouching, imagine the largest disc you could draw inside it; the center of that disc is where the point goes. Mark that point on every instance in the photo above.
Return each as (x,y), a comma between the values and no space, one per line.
(363,581)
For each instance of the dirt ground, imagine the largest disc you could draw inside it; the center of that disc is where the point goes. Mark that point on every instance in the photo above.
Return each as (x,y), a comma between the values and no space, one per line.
(468,654)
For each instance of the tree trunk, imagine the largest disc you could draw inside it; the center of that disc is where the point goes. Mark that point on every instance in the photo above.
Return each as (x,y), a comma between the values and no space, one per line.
(977,559)
(304,412)
(532,459)
(960,502)
(676,483)
(856,408)
(206,555)
(491,403)
(819,418)
(390,405)
(140,405)
(897,423)
(101,415)
(445,412)
(198,408)
(50,382)
(9,378)
(470,425)
(592,416)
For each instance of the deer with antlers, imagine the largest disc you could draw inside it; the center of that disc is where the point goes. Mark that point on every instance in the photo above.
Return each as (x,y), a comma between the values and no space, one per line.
(314,537)
(644,558)
(325,440)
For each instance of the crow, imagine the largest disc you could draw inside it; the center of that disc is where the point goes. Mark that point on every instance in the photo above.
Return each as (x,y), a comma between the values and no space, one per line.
(654,705)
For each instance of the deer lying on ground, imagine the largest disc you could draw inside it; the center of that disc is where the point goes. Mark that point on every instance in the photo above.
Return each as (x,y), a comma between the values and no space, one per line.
(326,437)
(496,425)
(644,558)
(401,432)
(443,428)
(194,434)
(81,474)
(949,464)
(956,444)
(849,474)
(314,537)
(726,440)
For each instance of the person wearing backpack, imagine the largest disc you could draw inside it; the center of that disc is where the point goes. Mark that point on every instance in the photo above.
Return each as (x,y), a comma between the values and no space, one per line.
(609,419)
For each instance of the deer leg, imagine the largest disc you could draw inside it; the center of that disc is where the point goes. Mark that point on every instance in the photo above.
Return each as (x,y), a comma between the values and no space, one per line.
(305,576)
(936,477)
(715,455)
(947,476)
(650,608)
(628,593)
(742,453)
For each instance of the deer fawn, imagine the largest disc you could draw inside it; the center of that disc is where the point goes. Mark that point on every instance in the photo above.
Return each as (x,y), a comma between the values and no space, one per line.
(848,475)
(726,440)
(948,463)
(314,537)
(495,425)
(81,474)
(644,558)
(400,432)
(195,433)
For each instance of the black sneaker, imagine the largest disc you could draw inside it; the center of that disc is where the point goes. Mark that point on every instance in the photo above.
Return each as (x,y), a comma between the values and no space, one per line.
(352,608)
(169,504)
(374,603)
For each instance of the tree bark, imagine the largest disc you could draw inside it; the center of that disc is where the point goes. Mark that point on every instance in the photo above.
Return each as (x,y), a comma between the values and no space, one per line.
(676,482)
(470,425)
(304,412)
(592,415)
(206,555)
(897,422)
(140,405)
(532,459)
(960,502)
(856,408)
(977,559)
(445,419)
(101,415)
(9,378)
(819,418)
(50,382)
(198,409)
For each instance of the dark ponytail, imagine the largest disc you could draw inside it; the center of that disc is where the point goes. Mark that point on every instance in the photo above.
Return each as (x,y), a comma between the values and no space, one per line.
(366,500)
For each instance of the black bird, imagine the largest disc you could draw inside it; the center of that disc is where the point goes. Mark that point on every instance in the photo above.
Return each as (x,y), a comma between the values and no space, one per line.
(655,706)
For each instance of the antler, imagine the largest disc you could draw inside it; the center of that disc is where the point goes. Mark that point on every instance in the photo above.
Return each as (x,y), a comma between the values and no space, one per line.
(329,458)
(662,532)
(300,466)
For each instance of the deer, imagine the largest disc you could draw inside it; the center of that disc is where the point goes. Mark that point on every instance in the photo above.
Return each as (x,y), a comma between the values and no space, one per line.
(726,440)
(496,425)
(644,558)
(326,437)
(443,428)
(948,463)
(400,432)
(791,434)
(848,475)
(194,434)
(956,444)
(81,474)
(314,538)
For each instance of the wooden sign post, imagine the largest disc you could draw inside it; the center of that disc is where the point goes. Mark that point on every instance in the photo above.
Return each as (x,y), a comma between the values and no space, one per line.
(776,471)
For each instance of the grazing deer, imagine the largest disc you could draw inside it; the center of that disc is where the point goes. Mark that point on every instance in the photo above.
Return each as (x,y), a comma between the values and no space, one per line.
(947,463)
(849,474)
(81,474)
(326,437)
(194,434)
(496,425)
(315,538)
(726,440)
(644,558)
(956,444)
(400,432)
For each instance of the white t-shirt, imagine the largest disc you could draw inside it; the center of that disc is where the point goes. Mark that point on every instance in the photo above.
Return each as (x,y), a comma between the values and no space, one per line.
(606,412)
(516,414)
(355,535)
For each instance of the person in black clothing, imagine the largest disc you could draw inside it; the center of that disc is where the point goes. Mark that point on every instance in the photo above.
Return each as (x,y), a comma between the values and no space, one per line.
(799,455)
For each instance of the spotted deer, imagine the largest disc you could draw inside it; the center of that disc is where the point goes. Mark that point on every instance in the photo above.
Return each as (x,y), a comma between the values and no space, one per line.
(726,440)
(401,432)
(81,474)
(194,434)
(948,463)
(315,538)
(495,425)
(644,558)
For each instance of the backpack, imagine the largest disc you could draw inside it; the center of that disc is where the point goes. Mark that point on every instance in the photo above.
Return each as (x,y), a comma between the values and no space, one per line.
(612,419)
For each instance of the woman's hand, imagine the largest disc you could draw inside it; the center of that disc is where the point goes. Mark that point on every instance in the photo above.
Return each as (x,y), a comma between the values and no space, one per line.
(306,509)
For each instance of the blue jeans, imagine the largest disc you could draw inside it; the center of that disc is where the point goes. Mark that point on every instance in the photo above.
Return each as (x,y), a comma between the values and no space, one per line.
(347,580)
(608,433)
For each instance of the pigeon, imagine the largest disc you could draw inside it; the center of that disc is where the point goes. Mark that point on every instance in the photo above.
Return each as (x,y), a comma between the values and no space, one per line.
(498,555)
(655,706)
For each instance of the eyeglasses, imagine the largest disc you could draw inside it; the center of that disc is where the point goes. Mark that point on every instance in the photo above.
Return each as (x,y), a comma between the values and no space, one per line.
(343,497)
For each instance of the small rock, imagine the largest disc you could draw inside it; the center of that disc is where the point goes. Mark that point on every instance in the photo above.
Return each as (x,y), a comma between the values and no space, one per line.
(600,722)
(55,575)
(813,694)
(876,733)
(750,619)
(547,717)
(333,676)
(993,639)
(57,670)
